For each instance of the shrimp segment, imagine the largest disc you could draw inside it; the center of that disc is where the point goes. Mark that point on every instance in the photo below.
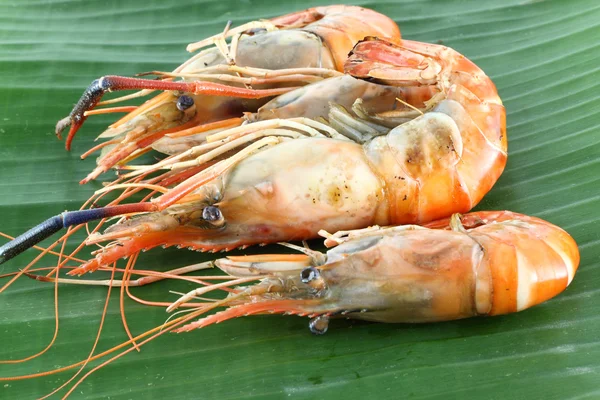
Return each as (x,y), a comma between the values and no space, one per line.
(264,58)
(491,263)
(436,152)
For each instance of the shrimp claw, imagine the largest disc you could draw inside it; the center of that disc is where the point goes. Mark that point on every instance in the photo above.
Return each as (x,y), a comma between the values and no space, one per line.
(111,83)
(68,218)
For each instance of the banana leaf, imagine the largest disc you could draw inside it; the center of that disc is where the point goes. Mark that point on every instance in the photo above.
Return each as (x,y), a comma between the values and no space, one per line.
(543,57)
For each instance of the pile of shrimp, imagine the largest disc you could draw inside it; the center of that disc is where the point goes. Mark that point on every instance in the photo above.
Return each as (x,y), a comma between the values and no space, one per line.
(335,125)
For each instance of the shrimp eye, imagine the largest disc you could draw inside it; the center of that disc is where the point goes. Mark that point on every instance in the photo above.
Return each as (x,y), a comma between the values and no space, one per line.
(213,216)
(319,325)
(312,277)
(309,274)
(184,102)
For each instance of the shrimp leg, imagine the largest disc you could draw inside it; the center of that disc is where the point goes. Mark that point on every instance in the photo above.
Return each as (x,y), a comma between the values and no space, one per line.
(111,83)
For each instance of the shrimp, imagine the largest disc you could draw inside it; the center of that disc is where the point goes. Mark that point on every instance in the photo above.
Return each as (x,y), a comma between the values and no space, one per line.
(265,58)
(298,176)
(479,264)
(484,263)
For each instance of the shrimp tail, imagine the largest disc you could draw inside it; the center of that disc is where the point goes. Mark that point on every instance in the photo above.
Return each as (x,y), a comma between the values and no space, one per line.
(391,63)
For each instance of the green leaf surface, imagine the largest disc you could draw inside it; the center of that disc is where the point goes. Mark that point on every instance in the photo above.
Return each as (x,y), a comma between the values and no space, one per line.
(543,57)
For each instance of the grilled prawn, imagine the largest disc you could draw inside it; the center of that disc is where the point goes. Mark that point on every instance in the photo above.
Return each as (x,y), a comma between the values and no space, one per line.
(293,177)
(479,264)
(484,263)
(264,59)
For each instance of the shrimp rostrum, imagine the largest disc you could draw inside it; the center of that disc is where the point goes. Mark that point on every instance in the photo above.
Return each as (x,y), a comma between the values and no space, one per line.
(479,264)
(264,59)
(293,177)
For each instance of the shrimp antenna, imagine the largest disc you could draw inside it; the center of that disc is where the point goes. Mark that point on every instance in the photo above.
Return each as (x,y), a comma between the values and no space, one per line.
(68,218)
